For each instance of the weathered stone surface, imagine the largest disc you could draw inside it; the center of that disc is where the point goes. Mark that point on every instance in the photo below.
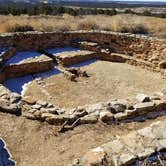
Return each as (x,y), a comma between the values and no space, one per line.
(113,57)
(29,100)
(106,116)
(37,114)
(14,97)
(12,108)
(144,107)
(146,132)
(42,103)
(46,115)
(3,90)
(81,113)
(49,105)
(121,116)
(96,107)
(138,144)
(114,147)
(89,119)
(142,98)
(147,152)
(118,107)
(55,119)
(72,57)
(37,106)
(53,110)
(162,142)
(29,116)
(95,156)
(32,111)
(126,158)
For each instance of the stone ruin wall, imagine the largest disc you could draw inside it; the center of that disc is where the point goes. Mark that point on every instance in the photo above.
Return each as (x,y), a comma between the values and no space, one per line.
(27,68)
(136,46)
(112,112)
(121,43)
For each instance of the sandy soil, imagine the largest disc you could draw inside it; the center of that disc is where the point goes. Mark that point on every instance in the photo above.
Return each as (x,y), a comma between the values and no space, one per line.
(34,143)
(39,144)
(107,81)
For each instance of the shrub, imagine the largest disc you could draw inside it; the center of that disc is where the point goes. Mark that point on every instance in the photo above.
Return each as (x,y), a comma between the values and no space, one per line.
(140,29)
(136,29)
(87,25)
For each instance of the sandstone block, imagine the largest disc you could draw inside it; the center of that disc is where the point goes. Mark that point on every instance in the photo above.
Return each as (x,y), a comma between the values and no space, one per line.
(42,103)
(106,116)
(146,152)
(142,98)
(126,158)
(88,119)
(95,156)
(55,119)
(29,100)
(95,107)
(113,147)
(121,116)
(37,114)
(144,107)
(46,115)
(29,116)
(36,106)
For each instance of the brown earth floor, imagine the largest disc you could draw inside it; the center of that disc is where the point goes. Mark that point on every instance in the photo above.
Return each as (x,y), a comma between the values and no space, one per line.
(107,81)
(33,143)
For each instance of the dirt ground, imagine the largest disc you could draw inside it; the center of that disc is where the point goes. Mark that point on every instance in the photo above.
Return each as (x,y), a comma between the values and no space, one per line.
(33,143)
(107,81)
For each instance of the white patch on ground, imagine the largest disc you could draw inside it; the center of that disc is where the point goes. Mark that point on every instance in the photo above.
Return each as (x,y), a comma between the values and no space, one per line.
(21,57)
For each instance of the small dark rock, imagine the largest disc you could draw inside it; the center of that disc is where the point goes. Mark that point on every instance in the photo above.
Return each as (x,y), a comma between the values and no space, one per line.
(116,108)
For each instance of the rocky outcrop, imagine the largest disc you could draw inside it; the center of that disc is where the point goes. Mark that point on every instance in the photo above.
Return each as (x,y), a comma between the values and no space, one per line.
(125,150)
(136,50)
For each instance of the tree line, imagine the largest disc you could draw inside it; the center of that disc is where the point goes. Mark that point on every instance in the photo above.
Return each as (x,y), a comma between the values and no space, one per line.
(46,9)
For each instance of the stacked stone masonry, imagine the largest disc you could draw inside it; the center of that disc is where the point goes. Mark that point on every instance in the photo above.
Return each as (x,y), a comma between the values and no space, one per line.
(111,112)
(137,50)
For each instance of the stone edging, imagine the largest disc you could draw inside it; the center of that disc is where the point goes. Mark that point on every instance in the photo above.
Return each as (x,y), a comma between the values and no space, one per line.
(139,109)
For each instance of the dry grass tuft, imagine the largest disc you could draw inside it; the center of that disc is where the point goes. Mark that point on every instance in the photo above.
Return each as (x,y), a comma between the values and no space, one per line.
(87,25)
(119,23)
